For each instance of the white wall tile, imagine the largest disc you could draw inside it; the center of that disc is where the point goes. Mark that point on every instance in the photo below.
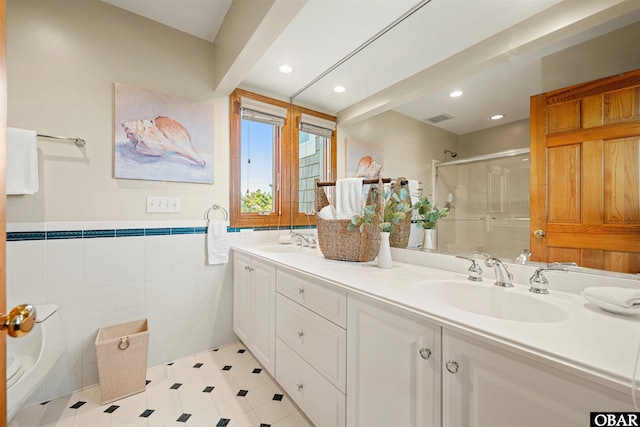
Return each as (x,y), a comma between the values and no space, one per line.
(182,244)
(130,248)
(157,268)
(26,287)
(63,226)
(130,314)
(73,330)
(182,266)
(130,294)
(157,246)
(98,274)
(101,249)
(63,252)
(63,280)
(26,254)
(158,290)
(69,305)
(129,271)
(97,300)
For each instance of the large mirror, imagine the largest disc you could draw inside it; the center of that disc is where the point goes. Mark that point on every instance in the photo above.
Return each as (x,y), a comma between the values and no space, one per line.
(421,128)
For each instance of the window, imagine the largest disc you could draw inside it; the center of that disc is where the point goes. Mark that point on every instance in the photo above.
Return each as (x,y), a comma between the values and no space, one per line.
(277,151)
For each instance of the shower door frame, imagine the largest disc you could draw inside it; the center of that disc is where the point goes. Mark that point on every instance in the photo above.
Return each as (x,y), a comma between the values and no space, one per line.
(436,164)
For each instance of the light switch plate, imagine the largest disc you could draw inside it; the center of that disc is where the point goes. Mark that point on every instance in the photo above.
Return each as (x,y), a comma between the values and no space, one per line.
(157,204)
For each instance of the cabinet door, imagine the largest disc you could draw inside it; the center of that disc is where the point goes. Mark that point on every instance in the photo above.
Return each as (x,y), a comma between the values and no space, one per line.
(241,297)
(497,388)
(263,313)
(392,380)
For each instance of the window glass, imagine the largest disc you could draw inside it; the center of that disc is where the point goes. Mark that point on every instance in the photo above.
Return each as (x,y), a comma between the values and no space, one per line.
(311,165)
(257,159)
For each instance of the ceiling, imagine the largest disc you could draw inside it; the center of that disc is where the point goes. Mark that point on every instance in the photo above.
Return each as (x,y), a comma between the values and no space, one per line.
(490,49)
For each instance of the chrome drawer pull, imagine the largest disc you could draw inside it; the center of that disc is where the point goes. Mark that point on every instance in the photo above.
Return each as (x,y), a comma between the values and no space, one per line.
(452,366)
(300,334)
(301,291)
(299,387)
(425,353)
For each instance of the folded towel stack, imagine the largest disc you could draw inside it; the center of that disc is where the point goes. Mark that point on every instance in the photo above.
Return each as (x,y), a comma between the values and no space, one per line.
(622,297)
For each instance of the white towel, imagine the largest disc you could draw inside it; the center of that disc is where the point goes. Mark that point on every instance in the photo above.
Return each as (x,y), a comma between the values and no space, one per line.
(348,197)
(328,212)
(22,161)
(217,242)
(622,297)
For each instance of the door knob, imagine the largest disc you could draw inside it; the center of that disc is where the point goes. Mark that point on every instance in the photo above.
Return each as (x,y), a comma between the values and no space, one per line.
(539,234)
(425,353)
(19,321)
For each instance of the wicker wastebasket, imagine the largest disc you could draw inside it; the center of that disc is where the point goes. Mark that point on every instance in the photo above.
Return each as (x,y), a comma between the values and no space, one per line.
(122,352)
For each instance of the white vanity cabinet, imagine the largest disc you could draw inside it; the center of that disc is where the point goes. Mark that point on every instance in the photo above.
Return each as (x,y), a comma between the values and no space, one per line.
(254,303)
(393,367)
(486,386)
(311,345)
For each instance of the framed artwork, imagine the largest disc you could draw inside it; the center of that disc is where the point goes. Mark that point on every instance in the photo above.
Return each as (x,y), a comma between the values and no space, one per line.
(363,159)
(161,138)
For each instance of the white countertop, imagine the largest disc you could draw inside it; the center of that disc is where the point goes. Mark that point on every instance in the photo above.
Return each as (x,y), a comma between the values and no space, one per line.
(591,343)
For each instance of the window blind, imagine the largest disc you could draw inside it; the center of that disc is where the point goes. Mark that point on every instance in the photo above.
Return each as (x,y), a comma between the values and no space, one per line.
(262,112)
(317,125)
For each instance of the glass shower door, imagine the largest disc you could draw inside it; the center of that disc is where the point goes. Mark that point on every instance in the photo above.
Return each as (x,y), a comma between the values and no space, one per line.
(490,199)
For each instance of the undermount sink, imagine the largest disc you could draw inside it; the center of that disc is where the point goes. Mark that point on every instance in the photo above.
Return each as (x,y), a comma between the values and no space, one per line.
(495,301)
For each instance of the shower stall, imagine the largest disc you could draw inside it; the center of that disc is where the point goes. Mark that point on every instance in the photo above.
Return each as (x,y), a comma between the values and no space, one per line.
(489,198)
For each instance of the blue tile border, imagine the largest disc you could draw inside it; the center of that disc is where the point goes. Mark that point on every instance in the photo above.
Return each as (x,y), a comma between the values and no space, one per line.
(18,236)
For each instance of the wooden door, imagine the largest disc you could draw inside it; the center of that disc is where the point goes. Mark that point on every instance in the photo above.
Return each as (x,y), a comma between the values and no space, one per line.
(585,174)
(3,207)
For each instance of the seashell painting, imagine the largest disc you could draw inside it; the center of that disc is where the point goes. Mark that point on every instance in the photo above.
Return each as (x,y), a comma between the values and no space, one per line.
(162,138)
(363,159)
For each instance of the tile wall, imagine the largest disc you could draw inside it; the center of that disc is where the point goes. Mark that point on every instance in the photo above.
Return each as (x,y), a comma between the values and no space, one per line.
(101,274)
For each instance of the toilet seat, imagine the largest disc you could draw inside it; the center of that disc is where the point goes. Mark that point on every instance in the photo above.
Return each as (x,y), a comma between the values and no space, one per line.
(14,369)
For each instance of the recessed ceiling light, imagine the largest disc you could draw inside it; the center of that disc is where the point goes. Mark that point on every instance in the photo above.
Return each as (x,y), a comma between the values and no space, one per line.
(456,93)
(339,89)
(496,117)
(285,69)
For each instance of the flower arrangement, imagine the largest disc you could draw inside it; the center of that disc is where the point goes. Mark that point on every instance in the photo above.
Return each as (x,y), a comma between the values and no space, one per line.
(395,209)
(428,214)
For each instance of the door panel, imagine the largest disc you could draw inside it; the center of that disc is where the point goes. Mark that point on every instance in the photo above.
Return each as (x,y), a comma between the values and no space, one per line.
(585,174)
(3,206)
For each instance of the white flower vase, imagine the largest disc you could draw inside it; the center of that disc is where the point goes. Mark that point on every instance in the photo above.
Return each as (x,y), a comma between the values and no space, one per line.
(428,239)
(384,256)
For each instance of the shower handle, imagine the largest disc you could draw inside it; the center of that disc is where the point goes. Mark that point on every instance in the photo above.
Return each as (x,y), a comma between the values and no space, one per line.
(19,321)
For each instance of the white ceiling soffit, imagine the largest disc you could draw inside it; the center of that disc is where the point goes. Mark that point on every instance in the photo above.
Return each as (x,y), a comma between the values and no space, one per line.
(200,18)
(437,31)
(503,71)
(320,35)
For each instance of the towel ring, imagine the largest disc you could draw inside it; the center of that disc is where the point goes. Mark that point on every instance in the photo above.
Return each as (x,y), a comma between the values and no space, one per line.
(213,208)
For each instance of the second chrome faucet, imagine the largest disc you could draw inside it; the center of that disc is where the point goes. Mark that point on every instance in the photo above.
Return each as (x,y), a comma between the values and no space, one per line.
(503,277)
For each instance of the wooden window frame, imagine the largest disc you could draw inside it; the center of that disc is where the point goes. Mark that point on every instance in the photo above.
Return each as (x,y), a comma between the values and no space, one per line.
(285,192)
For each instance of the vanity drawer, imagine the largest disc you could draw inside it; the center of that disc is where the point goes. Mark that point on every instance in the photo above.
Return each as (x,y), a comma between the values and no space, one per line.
(319,400)
(318,341)
(315,294)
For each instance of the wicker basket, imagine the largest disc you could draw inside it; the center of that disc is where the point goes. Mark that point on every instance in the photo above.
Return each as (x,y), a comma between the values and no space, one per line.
(399,237)
(338,243)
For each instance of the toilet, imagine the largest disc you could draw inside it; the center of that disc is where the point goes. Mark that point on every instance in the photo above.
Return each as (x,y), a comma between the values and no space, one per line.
(31,357)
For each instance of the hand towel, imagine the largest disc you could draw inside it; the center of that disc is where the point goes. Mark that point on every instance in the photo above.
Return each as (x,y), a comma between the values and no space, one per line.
(622,297)
(217,242)
(22,161)
(348,197)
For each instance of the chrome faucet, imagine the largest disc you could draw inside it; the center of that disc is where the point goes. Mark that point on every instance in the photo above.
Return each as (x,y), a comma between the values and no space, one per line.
(523,257)
(475,272)
(306,240)
(500,271)
(539,283)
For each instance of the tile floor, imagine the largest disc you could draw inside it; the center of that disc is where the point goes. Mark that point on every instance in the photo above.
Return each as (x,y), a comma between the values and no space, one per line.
(223,387)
